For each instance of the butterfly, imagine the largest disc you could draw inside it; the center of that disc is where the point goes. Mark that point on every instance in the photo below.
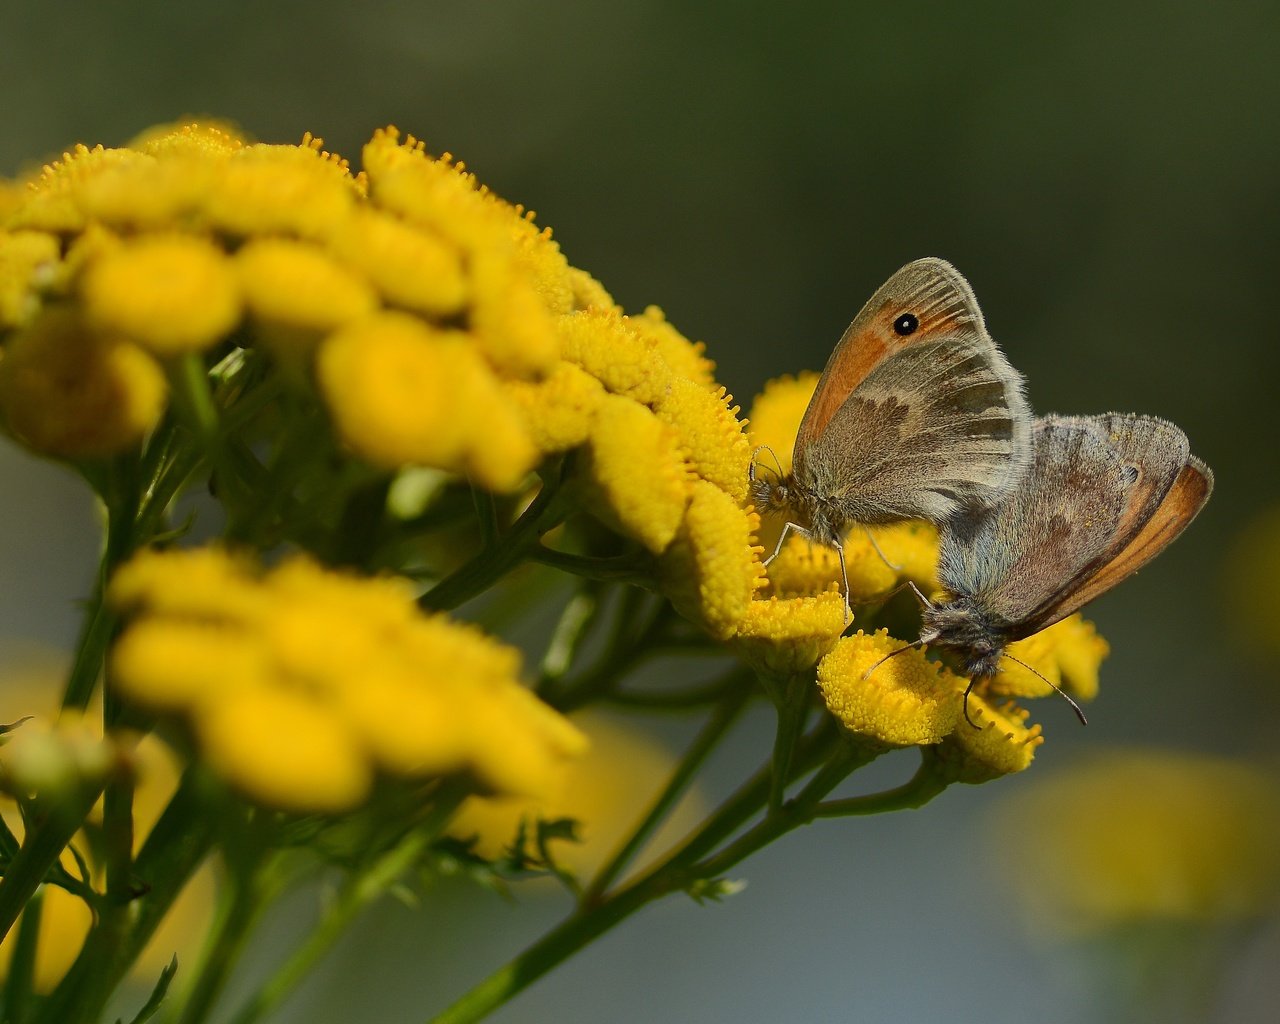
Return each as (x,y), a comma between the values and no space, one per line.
(1103,496)
(918,415)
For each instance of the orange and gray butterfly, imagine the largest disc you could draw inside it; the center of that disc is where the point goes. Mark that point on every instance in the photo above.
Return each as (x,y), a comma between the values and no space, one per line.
(917,415)
(1104,495)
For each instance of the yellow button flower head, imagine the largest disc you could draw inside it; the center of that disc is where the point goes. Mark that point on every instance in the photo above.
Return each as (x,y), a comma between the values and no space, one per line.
(906,701)
(806,567)
(1144,837)
(298,292)
(1001,744)
(686,358)
(561,409)
(588,293)
(605,345)
(540,260)
(303,685)
(170,293)
(1068,654)
(68,391)
(149,195)
(712,569)
(511,322)
(28,259)
(411,267)
(783,637)
(622,770)
(289,190)
(776,414)
(403,392)
(710,433)
(913,547)
(640,478)
(206,141)
(52,203)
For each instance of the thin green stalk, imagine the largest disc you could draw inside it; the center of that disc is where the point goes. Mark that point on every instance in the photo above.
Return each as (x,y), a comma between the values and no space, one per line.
(704,743)
(496,560)
(45,840)
(915,793)
(793,708)
(175,847)
(22,965)
(357,894)
(633,569)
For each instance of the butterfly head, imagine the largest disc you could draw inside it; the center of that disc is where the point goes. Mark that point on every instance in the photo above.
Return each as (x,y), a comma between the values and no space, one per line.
(962,626)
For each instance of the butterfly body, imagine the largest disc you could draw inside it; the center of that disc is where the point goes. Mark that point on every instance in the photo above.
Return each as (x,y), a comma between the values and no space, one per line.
(917,415)
(1103,496)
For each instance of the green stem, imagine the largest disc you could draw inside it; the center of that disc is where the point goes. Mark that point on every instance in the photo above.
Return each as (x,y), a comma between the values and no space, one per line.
(45,840)
(173,850)
(915,793)
(22,965)
(793,708)
(633,569)
(360,891)
(705,742)
(495,561)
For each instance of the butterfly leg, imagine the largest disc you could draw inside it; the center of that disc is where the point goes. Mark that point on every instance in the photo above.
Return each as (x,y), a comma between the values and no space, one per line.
(872,537)
(782,539)
(891,654)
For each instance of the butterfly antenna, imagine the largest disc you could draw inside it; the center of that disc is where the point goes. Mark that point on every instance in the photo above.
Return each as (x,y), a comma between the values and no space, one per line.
(872,537)
(1057,689)
(751,472)
(892,654)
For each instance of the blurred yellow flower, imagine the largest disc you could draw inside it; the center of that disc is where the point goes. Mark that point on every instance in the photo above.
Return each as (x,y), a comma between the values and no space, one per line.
(560,410)
(776,414)
(297,291)
(334,680)
(169,293)
(1068,654)
(906,701)
(70,391)
(1252,569)
(1144,836)
(606,792)
(26,259)
(403,392)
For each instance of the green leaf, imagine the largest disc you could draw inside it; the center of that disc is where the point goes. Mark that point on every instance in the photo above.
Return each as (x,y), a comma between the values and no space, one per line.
(714,890)
(157,994)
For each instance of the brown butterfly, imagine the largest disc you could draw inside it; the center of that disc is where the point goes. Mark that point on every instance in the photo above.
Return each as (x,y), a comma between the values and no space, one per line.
(917,415)
(1104,495)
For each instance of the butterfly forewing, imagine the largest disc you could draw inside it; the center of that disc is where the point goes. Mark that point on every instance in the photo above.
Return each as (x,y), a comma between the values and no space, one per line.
(917,424)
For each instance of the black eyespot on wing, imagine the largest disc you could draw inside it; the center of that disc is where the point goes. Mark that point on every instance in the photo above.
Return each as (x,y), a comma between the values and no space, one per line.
(906,324)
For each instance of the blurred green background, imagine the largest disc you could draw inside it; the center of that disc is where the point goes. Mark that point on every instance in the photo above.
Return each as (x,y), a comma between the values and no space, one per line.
(1105,174)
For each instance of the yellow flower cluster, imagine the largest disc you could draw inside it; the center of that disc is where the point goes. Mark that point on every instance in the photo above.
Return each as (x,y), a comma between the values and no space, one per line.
(301,685)
(908,700)
(1145,837)
(441,326)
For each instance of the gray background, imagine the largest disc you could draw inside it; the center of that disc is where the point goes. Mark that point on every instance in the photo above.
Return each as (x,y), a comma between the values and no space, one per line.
(1106,176)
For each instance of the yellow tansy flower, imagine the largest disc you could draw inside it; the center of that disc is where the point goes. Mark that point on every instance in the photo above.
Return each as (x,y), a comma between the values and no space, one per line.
(290,190)
(560,410)
(776,414)
(589,293)
(711,437)
(906,701)
(1068,654)
(410,267)
(155,194)
(28,259)
(1251,572)
(1001,743)
(52,202)
(1144,837)
(542,262)
(783,637)
(206,140)
(298,291)
(621,772)
(607,347)
(638,472)
(402,392)
(511,323)
(170,293)
(334,679)
(686,358)
(804,566)
(712,569)
(68,391)
(285,749)
(912,546)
